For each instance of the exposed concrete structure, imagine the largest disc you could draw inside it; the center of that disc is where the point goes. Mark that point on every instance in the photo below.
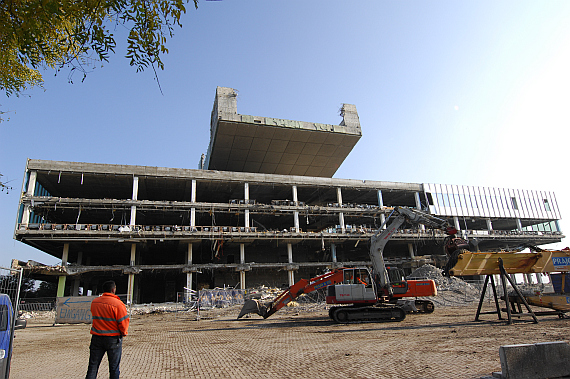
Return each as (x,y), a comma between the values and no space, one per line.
(275,146)
(158,230)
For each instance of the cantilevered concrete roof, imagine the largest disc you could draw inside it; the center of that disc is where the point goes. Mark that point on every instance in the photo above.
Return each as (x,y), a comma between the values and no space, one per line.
(276,146)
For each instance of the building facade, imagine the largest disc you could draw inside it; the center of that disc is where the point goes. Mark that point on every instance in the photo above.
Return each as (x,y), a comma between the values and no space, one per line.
(260,221)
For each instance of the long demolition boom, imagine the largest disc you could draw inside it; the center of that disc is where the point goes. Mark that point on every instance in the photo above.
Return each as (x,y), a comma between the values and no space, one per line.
(293,292)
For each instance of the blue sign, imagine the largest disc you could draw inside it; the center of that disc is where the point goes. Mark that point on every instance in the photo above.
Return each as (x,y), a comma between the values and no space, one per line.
(561,263)
(322,285)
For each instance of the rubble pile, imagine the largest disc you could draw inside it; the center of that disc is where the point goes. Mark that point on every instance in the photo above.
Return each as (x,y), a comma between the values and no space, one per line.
(533,289)
(311,302)
(144,309)
(263,293)
(451,290)
(38,315)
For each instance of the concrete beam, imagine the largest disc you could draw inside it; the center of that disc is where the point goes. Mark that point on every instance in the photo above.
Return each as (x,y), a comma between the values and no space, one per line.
(213,175)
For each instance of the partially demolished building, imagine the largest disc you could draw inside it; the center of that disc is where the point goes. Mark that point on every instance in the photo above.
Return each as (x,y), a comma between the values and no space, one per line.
(262,209)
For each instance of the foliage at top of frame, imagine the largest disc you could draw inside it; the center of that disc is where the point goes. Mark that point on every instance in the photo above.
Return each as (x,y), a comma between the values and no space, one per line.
(40,34)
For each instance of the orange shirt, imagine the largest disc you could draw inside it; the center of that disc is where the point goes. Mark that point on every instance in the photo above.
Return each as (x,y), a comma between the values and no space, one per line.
(110,317)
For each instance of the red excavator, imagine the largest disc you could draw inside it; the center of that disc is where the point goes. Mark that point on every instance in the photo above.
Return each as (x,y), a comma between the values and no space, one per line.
(382,294)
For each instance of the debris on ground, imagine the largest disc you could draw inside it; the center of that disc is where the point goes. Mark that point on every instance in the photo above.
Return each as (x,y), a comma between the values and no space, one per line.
(144,309)
(38,315)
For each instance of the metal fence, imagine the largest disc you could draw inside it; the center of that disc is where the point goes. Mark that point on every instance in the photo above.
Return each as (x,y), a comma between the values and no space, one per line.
(37,304)
(208,299)
(214,298)
(37,307)
(10,283)
(220,298)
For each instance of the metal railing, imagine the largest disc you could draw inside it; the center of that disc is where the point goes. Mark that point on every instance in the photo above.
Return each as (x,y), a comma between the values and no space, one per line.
(37,307)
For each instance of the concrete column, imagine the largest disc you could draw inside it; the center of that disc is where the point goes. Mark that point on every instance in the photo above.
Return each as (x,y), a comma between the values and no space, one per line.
(32,183)
(75,288)
(61,281)
(242,261)
(135,188)
(291,273)
(538,278)
(381,204)
(333,252)
(29,192)
(131,280)
(419,206)
(77,281)
(411,250)
(246,198)
(296,213)
(65,255)
(134,197)
(519,225)
(340,215)
(193,200)
(489,224)
(528,278)
(189,262)
(133,215)
(456,222)
(418,201)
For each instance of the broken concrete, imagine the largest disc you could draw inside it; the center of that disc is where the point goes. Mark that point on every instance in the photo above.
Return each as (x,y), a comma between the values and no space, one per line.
(536,361)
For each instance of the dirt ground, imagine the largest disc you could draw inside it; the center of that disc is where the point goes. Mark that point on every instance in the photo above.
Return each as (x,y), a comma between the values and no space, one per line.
(294,343)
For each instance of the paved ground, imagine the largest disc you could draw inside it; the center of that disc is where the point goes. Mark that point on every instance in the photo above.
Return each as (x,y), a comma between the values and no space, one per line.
(290,344)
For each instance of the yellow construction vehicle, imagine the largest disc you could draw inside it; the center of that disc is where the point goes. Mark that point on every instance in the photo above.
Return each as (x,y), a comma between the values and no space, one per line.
(554,262)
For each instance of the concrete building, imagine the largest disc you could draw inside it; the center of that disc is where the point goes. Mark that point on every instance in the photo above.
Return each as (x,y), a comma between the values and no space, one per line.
(263,209)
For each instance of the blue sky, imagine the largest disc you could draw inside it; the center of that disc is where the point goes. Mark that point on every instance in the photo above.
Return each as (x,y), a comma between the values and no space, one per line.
(472,93)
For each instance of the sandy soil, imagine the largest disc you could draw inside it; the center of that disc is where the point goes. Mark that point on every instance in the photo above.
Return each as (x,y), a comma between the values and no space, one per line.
(299,342)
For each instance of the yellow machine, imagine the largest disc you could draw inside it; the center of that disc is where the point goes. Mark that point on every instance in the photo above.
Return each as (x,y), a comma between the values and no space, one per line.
(554,262)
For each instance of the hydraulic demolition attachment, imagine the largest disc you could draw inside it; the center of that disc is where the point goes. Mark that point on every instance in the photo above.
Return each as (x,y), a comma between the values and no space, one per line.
(293,292)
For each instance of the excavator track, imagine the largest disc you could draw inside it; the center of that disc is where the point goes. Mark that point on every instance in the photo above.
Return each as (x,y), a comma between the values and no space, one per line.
(346,315)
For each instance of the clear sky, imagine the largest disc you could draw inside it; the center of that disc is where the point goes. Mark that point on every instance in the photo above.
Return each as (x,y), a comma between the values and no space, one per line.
(472,93)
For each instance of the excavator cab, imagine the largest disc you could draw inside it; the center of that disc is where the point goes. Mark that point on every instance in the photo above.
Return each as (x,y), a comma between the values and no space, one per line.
(397,280)
(357,287)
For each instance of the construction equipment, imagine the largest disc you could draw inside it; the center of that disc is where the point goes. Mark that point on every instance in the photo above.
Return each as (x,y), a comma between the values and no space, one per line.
(363,295)
(464,263)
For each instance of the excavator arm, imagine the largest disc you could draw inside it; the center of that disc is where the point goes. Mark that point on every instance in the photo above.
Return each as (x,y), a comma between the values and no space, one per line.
(293,292)
(382,236)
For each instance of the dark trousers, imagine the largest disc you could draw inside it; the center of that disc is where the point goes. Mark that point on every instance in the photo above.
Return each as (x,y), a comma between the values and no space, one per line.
(113,346)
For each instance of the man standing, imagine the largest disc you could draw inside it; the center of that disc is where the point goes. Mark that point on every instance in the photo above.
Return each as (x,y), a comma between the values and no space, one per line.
(110,324)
